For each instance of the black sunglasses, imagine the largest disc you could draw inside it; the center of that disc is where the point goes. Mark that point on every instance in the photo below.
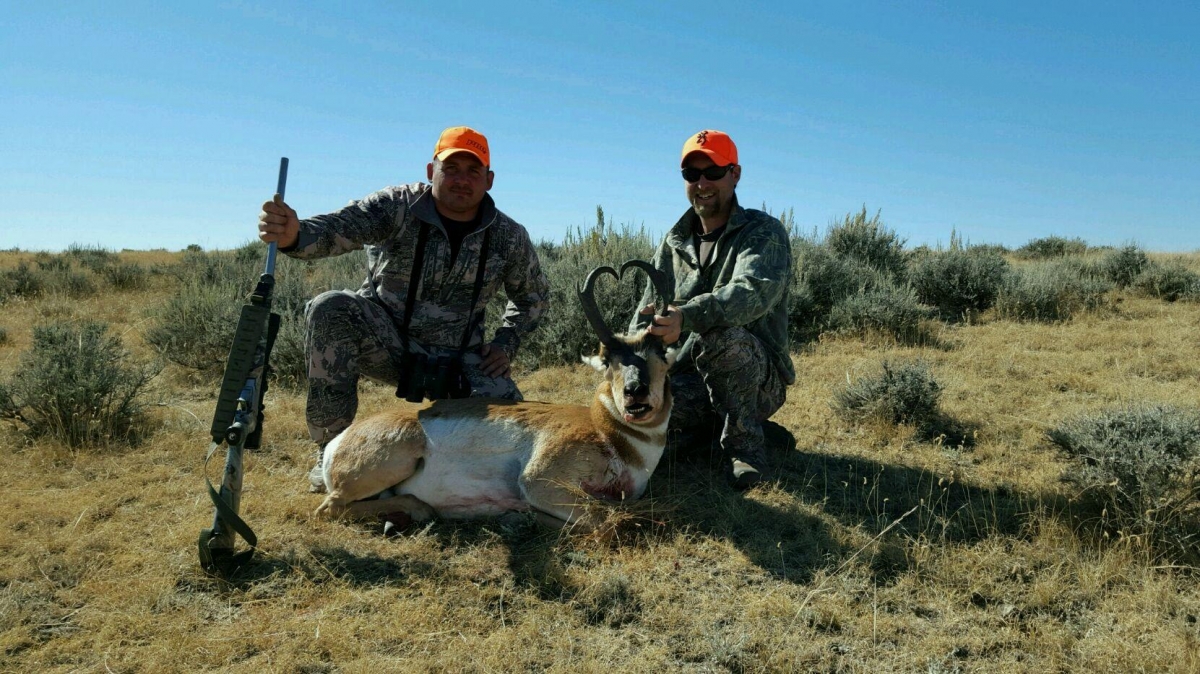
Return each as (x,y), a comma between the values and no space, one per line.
(692,174)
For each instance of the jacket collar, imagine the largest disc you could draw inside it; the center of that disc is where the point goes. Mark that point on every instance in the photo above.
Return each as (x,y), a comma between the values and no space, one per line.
(681,233)
(426,211)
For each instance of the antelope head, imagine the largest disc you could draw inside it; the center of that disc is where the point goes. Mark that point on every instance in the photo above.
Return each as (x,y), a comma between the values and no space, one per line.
(634,366)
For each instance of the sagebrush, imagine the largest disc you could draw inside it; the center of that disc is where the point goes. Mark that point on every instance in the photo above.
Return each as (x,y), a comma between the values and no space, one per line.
(1143,461)
(77,383)
(1170,281)
(900,393)
(959,283)
(1048,292)
(1051,247)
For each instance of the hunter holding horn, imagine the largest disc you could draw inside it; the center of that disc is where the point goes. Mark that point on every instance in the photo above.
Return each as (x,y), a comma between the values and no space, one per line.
(730,267)
(436,253)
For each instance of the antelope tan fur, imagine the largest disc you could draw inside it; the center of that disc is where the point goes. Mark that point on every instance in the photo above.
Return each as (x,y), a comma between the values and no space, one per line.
(479,457)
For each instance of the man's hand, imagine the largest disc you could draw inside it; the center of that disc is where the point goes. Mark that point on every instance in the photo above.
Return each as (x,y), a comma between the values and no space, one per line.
(495,361)
(668,327)
(278,223)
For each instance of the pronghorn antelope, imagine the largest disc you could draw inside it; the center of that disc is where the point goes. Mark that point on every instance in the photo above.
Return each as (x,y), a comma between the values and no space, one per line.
(478,457)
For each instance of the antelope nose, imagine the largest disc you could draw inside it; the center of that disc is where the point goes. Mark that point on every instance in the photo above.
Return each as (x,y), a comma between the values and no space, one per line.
(635,389)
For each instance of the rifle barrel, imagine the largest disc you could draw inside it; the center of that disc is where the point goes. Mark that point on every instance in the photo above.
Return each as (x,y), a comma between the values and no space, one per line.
(280,188)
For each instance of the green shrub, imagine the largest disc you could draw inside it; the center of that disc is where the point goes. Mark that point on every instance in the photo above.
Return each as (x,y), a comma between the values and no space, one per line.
(52,263)
(820,280)
(3,336)
(126,276)
(958,282)
(1123,266)
(1143,461)
(1170,282)
(72,283)
(74,385)
(219,268)
(883,309)
(564,333)
(22,281)
(1051,247)
(289,357)
(53,274)
(194,328)
(17,278)
(1049,292)
(988,248)
(252,252)
(828,278)
(94,258)
(899,394)
(868,241)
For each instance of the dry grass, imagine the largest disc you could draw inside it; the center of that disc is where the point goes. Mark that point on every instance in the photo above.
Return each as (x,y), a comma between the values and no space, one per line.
(870,552)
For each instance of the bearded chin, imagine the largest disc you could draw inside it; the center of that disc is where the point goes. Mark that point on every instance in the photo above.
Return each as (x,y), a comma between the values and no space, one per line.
(705,209)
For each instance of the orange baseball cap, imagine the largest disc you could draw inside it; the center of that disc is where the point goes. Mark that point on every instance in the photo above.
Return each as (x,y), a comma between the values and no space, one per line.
(462,139)
(716,144)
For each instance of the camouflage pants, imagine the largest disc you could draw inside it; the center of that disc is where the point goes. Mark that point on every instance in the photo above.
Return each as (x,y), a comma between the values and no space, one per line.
(349,335)
(731,386)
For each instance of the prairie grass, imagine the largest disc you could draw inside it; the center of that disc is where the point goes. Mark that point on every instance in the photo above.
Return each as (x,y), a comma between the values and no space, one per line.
(871,550)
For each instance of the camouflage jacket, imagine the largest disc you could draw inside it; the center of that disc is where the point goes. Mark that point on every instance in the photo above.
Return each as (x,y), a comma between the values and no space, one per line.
(745,283)
(386,223)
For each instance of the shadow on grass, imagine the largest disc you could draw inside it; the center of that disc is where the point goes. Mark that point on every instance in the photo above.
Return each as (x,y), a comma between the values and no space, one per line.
(319,565)
(784,527)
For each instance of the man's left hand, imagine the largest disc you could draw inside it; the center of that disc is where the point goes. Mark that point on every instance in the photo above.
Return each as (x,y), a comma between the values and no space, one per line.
(495,361)
(668,327)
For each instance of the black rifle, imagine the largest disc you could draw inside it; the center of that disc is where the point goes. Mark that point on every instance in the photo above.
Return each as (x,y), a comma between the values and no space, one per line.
(238,419)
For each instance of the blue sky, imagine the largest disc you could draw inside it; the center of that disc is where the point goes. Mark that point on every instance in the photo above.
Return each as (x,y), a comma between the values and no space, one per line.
(146,125)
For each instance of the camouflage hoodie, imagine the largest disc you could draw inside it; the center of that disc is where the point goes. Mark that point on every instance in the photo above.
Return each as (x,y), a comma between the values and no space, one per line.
(387,223)
(745,283)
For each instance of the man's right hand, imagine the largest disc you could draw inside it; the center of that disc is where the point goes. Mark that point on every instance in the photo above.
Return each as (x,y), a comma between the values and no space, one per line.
(278,223)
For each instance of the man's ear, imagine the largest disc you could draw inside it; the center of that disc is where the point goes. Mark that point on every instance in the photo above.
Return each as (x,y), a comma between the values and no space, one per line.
(595,361)
(737,173)
(491,175)
(429,171)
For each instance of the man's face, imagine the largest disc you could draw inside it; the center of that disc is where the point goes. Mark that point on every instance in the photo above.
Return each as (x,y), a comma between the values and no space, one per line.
(710,198)
(459,183)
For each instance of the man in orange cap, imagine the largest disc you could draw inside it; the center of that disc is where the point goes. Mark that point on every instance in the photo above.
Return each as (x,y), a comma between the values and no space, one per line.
(437,254)
(729,322)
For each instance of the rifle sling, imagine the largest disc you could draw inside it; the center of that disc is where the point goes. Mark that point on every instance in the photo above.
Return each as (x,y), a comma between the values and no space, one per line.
(414,280)
(483,253)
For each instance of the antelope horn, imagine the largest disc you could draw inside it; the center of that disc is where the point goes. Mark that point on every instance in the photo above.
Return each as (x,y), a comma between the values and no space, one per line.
(662,285)
(587,299)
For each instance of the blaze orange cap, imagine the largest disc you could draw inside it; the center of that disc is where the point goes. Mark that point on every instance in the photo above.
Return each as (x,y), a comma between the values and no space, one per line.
(462,139)
(716,144)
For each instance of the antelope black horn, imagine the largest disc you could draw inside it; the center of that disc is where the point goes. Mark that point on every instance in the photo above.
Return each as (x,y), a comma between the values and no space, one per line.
(662,285)
(587,299)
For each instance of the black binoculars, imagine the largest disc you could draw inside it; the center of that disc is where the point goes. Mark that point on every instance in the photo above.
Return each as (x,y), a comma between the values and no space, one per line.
(423,377)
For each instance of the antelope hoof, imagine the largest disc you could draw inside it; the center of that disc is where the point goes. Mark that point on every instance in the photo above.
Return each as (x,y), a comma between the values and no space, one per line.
(395,523)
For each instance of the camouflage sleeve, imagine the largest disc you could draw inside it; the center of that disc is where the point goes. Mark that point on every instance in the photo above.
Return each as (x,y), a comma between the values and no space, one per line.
(362,222)
(662,261)
(528,293)
(760,277)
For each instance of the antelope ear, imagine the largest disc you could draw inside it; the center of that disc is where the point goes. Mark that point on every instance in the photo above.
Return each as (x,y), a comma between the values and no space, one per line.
(595,361)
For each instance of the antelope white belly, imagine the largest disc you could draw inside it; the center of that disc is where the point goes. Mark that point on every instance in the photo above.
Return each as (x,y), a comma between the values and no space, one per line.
(471,467)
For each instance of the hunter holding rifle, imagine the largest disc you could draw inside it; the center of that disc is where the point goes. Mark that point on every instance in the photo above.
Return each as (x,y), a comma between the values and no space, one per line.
(436,254)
